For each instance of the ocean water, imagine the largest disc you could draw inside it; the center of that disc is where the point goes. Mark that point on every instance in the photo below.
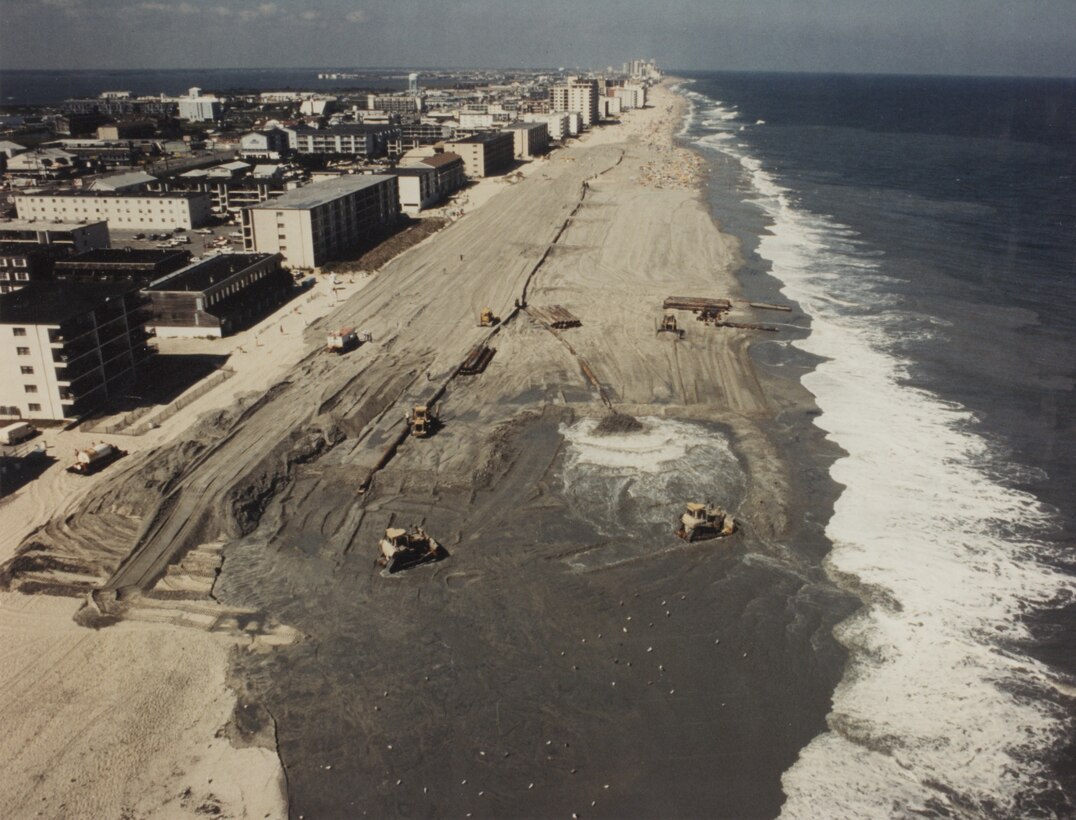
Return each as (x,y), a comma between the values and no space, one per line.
(26,87)
(928,228)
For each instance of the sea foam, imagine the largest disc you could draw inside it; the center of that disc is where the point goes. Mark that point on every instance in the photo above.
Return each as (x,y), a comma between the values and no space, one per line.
(939,709)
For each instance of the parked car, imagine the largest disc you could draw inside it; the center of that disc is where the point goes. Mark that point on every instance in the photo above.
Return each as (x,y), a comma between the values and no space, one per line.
(139,236)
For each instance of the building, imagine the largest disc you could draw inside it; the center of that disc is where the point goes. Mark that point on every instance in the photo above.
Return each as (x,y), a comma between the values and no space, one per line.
(609,107)
(394,103)
(631,95)
(448,167)
(43,164)
(531,139)
(97,153)
(133,181)
(66,348)
(418,188)
(557,125)
(22,263)
(197,108)
(140,266)
(131,210)
(486,153)
(578,95)
(352,139)
(318,223)
(130,130)
(413,134)
(218,295)
(271,143)
(76,236)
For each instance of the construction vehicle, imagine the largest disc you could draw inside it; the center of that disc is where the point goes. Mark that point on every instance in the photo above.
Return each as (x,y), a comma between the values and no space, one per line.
(668,325)
(95,457)
(421,421)
(486,318)
(342,340)
(400,549)
(701,522)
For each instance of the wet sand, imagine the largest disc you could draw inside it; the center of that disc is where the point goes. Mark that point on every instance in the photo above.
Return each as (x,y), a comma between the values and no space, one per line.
(543,668)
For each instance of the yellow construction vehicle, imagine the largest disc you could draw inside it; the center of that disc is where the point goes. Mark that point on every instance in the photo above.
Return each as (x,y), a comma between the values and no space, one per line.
(421,421)
(700,522)
(400,549)
(668,325)
(486,318)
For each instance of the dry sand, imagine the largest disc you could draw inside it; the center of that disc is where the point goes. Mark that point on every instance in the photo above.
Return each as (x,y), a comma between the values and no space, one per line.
(270,481)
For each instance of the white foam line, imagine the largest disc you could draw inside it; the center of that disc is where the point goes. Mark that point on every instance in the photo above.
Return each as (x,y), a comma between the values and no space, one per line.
(938,707)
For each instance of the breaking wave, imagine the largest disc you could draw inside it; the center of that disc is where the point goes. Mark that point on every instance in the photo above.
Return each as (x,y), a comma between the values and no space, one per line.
(940,711)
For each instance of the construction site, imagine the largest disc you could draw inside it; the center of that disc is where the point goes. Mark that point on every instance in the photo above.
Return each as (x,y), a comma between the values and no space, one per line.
(426,614)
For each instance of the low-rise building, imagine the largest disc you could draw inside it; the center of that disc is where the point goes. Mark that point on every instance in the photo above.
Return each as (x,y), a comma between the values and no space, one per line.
(68,347)
(218,295)
(196,107)
(418,188)
(76,236)
(485,153)
(319,223)
(557,125)
(131,210)
(43,164)
(272,143)
(140,266)
(351,139)
(531,139)
(130,130)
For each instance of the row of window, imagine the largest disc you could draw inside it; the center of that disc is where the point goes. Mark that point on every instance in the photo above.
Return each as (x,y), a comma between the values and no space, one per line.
(20,262)
(17,276)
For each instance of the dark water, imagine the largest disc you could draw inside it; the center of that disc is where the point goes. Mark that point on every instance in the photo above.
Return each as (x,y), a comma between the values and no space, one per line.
(50,87)
(928,226)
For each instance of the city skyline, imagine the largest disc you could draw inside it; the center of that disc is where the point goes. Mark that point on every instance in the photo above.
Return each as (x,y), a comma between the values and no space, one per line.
(987,37)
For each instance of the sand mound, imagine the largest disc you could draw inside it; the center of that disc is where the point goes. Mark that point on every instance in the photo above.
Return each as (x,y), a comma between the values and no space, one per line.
(617,424)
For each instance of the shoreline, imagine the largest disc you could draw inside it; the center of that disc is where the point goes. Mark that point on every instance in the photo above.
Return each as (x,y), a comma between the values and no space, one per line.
(489,481)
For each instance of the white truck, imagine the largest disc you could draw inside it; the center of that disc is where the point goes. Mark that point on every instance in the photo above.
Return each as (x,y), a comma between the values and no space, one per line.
(19,431)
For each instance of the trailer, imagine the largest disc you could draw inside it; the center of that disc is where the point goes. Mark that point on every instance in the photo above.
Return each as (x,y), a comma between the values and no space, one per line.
(342,340)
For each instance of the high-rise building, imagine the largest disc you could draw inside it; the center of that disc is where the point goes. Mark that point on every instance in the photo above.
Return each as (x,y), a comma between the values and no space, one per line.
(579,95)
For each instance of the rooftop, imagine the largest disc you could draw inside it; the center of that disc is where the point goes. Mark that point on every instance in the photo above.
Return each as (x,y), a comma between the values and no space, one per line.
(52,303)
(43,225)
(205,273)
(319,193)
(485,136)
(120,256)
(111,194)
(437,160)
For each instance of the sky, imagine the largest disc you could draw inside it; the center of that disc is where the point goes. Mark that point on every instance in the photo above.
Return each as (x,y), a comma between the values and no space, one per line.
(993,37)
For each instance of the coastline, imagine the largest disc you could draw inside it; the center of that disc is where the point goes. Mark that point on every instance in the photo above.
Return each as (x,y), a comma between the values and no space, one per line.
(527,575)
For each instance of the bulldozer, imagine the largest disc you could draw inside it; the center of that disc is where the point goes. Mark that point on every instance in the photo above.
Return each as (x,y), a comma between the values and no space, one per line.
(701,522)
(421,421)
(668,325)
(400,549)
(486,318)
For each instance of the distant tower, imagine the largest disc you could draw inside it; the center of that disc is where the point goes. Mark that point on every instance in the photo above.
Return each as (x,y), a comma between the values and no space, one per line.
(412,84)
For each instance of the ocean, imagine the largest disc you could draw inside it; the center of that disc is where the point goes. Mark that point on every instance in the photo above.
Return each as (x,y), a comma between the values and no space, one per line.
(28,87)
(927,226)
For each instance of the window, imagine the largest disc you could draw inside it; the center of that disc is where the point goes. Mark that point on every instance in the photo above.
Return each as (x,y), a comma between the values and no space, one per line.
(22,277)
(26,370)
(18,331)
(30,388)
(34,408)
(22,351)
